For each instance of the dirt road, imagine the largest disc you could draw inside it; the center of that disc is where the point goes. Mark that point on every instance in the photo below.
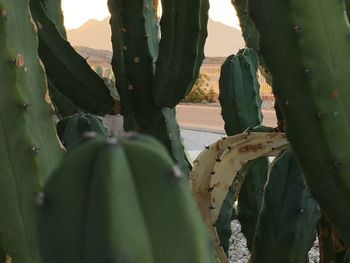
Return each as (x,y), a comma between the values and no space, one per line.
(208,118)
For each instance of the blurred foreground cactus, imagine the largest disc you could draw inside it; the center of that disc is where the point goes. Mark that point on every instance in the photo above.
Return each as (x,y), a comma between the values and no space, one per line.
(114,208)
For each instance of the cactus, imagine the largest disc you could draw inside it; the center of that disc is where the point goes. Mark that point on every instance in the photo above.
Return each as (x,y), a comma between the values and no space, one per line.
(181,52)
(286,227)
(239,92)
(67,70)
(312,90)
(54,11)
(133,63)
(29,148)
(241,109)
(332,247)
(71,130)
(250,34)
(110,186)
(209,180)
(250,198)
(64,107)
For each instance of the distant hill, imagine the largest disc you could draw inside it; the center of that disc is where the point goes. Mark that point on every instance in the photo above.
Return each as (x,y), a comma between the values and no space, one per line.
(99,57)
(221,42)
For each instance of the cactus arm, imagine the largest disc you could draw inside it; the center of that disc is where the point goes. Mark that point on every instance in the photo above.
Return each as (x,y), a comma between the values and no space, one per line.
(203,18)
(241,109)
(97,221)
(181,52)
(53,9)
(118,64)
(67,70)
(311,69)
(71,130)
(135,45)
(63,106)
(286,227)
(239,92)
(209,180)
(177,145)
(249,31)
(250,198)
(29,146)
(253,146)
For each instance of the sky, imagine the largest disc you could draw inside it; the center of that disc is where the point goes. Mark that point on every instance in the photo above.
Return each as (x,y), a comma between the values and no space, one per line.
(77,12)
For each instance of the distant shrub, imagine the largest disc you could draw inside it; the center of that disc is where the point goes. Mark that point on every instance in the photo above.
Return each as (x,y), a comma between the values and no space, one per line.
(201,91)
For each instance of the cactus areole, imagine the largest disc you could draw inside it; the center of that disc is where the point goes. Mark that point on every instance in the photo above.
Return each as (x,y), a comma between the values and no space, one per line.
(306,46)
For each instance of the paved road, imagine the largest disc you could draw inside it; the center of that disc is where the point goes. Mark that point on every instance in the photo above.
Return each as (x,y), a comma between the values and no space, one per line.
(208,118)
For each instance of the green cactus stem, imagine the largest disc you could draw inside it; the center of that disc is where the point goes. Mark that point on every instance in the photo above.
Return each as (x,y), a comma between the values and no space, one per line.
(64,107)
(67,70)
(250,198)
(71,130)
(135,49)
(108,188)
(306,47)
(239,92)
(286,227)
(54,11)
(181,53)
(241,109)
(29,147)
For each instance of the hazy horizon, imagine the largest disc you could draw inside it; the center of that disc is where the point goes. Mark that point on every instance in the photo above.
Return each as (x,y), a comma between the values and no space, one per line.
(97,35)
(220,11)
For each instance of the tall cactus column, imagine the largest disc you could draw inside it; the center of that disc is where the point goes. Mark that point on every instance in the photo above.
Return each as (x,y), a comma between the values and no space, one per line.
(306,46)
(140,82)
(29,147)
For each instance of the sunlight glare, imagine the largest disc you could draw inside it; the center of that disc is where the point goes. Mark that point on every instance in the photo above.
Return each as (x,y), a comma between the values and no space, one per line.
(77,12)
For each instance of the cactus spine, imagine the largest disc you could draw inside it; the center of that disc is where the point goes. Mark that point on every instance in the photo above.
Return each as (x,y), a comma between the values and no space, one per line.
(312,90)
(29,146)
(117,190)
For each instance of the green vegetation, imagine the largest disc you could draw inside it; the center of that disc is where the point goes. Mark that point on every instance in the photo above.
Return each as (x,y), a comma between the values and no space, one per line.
(202,91)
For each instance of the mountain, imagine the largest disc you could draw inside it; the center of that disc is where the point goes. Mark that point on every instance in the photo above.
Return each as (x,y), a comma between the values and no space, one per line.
(222,40)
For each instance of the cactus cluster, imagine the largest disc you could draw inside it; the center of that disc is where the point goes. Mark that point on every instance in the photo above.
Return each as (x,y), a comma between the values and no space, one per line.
(125,199)
(154,75)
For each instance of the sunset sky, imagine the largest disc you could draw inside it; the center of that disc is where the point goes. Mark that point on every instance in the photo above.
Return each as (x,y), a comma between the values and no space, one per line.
(77,12)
